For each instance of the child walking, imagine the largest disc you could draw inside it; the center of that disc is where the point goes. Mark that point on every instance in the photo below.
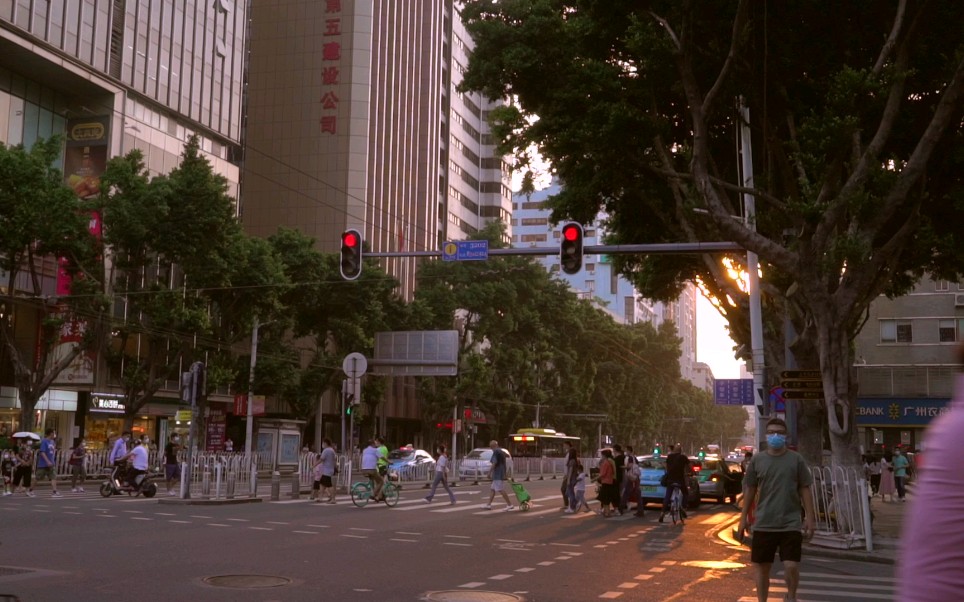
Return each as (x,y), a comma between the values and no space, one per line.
(580,489)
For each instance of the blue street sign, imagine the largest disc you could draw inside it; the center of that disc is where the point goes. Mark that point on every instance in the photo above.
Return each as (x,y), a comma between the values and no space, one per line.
(733,392)
(465,250)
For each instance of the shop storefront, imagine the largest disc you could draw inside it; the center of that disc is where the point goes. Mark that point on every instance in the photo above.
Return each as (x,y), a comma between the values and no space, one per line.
(888,423)
(54,410)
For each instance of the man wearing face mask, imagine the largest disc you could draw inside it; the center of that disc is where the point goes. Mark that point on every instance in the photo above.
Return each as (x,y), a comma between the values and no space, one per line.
(783,481)
(118,454)
(172,470)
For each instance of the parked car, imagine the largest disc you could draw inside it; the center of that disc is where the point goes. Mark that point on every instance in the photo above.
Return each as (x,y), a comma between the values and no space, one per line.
(409,464)
(719,479)
(652,470)
(477,463)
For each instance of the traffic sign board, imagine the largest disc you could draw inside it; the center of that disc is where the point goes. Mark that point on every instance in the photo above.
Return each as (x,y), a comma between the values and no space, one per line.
(800,374)
(811,395)
(465,250)
(733,391)
(801,384)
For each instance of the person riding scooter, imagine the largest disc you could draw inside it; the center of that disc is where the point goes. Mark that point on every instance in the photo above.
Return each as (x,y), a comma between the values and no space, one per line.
(139,462)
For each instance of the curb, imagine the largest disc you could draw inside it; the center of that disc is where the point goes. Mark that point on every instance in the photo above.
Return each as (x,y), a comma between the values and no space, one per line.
(203,502)
(858,555)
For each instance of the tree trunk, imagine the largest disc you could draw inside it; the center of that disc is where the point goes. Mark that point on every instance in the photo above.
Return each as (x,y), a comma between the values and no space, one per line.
(28,404)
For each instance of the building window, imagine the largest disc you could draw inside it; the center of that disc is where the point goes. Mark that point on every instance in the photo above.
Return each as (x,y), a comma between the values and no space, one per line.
(590,267)
(896,331)
(535,221)
(941,286)
(947,331)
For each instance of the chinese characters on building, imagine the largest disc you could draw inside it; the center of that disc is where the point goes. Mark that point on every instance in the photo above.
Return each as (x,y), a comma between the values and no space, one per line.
(331,67)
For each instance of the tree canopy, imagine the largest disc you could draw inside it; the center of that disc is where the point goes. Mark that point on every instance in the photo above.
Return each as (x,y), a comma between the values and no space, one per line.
(855,111)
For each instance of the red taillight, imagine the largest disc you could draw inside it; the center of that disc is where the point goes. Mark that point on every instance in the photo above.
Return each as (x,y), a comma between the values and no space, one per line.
(696,468)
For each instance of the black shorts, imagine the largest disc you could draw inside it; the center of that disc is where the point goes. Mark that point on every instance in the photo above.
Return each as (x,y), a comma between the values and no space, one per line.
(316,485)
(325,480)
(764,547)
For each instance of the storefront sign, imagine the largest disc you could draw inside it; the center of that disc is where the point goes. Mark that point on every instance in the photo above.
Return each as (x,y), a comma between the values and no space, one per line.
(331,67)
(113,404)
(241,405)
(183,416)
(900,412)
(216,428)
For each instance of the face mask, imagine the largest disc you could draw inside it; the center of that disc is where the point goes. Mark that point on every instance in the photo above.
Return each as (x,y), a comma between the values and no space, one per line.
(776,440)
(176,439)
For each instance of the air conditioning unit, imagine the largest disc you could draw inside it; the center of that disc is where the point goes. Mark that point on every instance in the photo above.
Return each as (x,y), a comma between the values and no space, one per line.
(959,300)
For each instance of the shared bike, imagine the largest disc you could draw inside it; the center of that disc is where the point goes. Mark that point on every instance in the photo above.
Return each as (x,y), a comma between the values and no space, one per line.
(361,492)
(676,504)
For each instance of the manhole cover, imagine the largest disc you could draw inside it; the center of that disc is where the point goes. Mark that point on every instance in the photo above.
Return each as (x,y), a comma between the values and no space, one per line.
(247,581)
(461,595)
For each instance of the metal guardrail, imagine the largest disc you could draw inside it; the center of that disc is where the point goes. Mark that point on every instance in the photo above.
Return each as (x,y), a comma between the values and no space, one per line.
(842,507)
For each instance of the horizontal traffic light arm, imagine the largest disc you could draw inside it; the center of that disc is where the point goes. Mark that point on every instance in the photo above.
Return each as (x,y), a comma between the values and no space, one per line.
(645,249)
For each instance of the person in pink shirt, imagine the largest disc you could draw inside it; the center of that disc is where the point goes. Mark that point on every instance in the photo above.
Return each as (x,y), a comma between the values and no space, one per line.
(931,558)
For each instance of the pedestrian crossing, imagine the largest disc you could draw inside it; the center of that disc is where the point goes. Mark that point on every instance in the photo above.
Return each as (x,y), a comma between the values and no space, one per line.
(831,587)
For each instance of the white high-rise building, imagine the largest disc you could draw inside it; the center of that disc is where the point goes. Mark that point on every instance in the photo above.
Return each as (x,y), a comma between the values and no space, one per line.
(598,281)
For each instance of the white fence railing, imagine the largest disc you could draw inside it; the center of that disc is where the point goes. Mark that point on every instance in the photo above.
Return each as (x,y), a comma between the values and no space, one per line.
(842,507)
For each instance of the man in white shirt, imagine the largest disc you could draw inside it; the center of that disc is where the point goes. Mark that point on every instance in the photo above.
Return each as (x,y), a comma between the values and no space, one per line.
(139,461)
(369,468)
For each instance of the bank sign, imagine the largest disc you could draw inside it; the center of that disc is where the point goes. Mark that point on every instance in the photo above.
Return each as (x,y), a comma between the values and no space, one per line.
(900,412)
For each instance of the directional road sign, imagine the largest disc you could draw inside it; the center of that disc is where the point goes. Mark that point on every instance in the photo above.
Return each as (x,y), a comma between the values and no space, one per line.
(811,395)
(465,250)
(801,384)
(733,391)
(800,375)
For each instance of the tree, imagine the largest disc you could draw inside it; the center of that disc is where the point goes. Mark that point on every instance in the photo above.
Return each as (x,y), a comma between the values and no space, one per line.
(856,123)
(42,220)
(187,278)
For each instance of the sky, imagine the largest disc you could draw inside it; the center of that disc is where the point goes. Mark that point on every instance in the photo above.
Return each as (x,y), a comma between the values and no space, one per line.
(713,344)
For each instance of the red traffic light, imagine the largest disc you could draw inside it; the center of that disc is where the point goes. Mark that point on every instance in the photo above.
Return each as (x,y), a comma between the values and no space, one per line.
(570,232)
(351,254)
(349,239)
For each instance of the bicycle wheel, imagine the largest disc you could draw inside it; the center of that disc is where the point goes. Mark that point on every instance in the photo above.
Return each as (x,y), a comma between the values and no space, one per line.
(360,494)
(390,492)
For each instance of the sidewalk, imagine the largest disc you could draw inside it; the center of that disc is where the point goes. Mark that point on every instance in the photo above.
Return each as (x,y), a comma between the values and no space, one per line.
(888,517)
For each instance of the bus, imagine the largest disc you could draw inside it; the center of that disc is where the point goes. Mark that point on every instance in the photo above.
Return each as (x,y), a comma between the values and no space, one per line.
(538,451)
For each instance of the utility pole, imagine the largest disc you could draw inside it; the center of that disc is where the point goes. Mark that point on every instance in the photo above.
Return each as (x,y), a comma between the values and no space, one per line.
(194,379)
(249,419)
(753,275)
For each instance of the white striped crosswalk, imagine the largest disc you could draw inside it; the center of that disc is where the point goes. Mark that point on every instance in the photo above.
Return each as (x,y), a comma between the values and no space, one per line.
(832,587)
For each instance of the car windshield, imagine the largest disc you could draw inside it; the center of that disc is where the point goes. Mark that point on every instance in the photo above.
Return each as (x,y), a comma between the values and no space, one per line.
(479,454)
(652,464)
(401,454)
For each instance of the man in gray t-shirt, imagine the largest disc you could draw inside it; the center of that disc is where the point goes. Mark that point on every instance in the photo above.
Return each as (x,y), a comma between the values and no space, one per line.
(779,482)
(327,472)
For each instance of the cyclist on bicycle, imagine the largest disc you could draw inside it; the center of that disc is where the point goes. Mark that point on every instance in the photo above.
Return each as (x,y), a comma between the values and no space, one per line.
(382,457)
(369,468)
(677,467)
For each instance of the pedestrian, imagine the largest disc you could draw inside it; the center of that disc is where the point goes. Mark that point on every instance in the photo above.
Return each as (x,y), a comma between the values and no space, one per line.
(608,493)
(888,486)
(874,466)
(569,480)
(619,456)
(931,550)
(78,466)
(4,438)
(579,489)
(329,468)
(228,446)
(779,480)
(747,456)
(7,466)
(630,488)
(497,472)
(316,479)
(23,473)
(900,474)
(441,476)
(172,469)
(47,460)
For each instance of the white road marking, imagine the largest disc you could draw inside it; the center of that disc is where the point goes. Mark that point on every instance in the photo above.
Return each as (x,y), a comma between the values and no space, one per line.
(458,536)
(238,520)
(306,532)
(455,543)
(407,533)
(628,585)
(473,584)
(400,539)
(657,569)
(183,522)
(525,569)
(499,577)
(546,563)
(261,528)
(643,577)
(611,595)
(141,518)
(218,525)
(354,536)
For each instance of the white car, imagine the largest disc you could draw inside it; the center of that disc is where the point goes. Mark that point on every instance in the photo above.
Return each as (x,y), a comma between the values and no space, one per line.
(478,462)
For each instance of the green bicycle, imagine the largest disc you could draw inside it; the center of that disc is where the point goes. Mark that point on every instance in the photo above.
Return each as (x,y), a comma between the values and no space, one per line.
(361,492)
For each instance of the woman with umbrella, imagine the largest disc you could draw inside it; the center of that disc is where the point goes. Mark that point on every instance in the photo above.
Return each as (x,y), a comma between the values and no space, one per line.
(23,473)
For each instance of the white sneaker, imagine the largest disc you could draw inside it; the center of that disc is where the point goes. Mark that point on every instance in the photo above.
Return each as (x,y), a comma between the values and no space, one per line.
(568,511)
(31,494)
(56,494)
(7,493)
(80,490)
(172,493)
(74,490)
(508,508)
(487,507)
